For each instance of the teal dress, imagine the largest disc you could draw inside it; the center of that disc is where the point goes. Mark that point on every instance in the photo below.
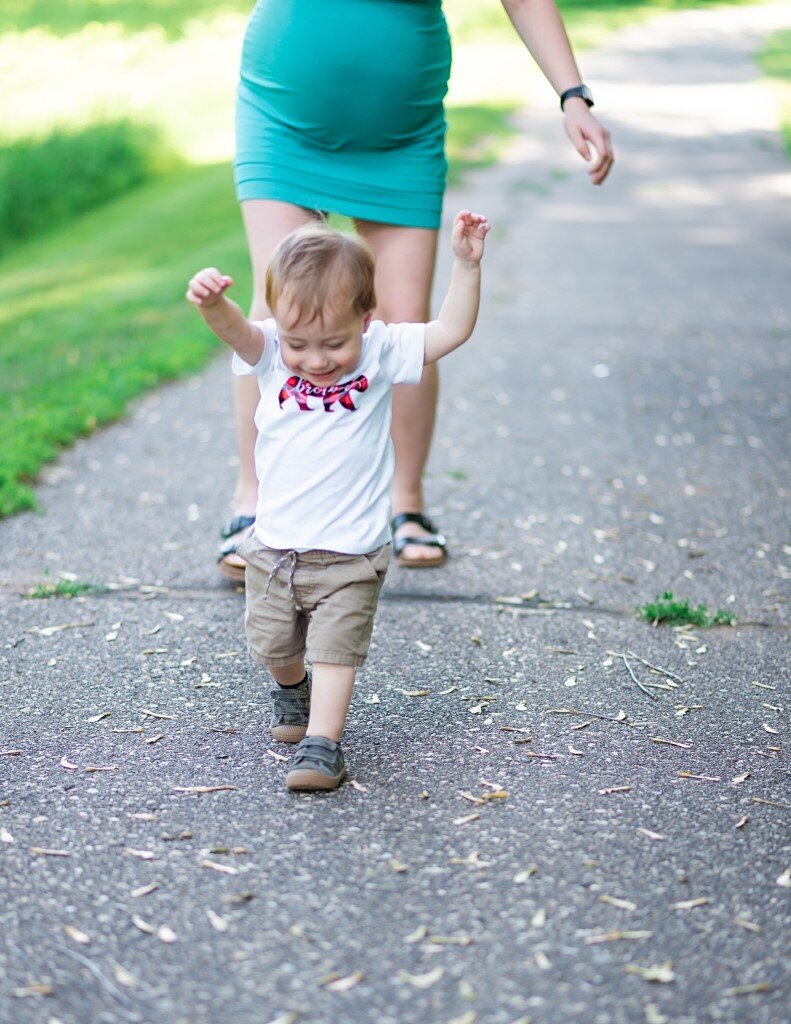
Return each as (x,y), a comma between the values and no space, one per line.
(340,108)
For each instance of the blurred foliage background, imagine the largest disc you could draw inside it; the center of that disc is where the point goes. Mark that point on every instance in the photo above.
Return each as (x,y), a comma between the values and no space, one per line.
(116,134)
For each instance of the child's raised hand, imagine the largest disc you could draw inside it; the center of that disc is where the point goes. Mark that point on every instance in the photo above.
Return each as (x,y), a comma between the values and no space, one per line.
(467,235)
(207,287)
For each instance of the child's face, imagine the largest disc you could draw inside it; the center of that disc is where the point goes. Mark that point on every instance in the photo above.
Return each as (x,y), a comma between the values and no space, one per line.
(325,350)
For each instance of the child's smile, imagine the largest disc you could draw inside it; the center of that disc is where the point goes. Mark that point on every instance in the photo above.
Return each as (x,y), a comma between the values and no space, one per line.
(324,350)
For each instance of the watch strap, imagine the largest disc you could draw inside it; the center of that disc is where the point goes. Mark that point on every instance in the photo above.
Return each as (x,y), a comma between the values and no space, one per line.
(578,90)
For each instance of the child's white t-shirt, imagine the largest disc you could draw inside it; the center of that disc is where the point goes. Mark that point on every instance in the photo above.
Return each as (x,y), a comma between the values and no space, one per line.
(323,454)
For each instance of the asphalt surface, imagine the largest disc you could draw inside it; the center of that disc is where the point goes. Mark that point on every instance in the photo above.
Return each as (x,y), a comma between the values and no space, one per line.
(617,428)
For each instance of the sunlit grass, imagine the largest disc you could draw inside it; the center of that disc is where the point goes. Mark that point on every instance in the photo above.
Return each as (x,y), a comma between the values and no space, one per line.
(588,21)
(64,17)
(775,61)
(95,313)
(477,135)
(102,72)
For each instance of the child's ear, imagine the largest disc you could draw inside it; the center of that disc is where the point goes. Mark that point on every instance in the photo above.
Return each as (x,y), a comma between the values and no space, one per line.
(367,320)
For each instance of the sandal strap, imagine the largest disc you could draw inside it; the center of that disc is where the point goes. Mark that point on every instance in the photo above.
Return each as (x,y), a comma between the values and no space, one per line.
(228,547)
(236,525)
(433,539)
(413,517)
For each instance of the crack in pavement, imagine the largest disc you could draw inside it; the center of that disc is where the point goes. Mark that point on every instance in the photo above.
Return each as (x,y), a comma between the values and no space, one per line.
(534,606)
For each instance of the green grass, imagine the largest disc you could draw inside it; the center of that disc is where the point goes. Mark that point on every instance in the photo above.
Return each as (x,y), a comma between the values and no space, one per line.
(65,588)
(477,135)
(63,17)
(775,61)
(44,182)
(588,22)
(94,314)
(671,611)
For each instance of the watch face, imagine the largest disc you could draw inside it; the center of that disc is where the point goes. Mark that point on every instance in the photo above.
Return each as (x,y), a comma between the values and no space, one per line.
(586,94)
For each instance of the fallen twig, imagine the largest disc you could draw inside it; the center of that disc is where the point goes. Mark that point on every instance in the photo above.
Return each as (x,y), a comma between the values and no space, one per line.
(603,718)
(646,691)
(201,789)
(771,803)
(102,978)
(655,668)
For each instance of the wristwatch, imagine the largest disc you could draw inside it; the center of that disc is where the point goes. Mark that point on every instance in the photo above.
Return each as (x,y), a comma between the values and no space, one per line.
(579,90)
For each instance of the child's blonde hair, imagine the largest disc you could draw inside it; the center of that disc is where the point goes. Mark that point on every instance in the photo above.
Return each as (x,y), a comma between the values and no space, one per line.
(315,269)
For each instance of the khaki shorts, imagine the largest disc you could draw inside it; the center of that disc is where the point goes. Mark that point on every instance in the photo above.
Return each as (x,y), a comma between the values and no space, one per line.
(319,603)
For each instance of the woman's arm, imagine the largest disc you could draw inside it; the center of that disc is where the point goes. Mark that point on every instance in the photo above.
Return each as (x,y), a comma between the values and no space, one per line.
(540,27)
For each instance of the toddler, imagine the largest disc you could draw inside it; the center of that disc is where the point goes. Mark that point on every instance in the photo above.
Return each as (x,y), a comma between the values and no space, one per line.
(318,554)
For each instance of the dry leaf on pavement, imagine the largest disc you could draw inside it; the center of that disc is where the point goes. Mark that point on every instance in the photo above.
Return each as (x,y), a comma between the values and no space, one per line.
(220,924)
(651,835)
(34,989)
(225,869)
(748,990)
(616,936)
(344,984)
(422,980)
(661,973)
(144,890)
(615,901)
(702,901)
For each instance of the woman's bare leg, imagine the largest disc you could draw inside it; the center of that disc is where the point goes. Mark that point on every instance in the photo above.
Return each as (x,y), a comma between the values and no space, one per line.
(404,272)
(266,222)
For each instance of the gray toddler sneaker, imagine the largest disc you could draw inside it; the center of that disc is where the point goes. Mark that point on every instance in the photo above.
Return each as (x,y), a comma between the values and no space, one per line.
(317,764)
(290,711)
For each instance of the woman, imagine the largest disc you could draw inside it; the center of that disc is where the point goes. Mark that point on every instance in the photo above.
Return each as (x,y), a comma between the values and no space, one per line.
(340,110)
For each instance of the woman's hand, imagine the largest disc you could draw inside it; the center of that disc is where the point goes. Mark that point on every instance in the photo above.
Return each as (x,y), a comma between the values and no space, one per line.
(586,133)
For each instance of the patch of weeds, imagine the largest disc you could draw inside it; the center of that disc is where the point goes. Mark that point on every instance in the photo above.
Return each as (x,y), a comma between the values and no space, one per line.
(672,611)
(456,474)
(65,588)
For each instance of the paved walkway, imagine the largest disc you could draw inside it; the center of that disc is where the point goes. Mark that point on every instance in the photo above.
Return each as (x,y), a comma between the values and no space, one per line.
(616,429)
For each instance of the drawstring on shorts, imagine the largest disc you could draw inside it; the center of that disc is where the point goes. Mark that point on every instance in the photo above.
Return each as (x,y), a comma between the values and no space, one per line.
(292,556)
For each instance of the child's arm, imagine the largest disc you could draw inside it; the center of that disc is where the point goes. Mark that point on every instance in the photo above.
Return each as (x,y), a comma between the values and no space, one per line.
(459,312)
(223,316)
